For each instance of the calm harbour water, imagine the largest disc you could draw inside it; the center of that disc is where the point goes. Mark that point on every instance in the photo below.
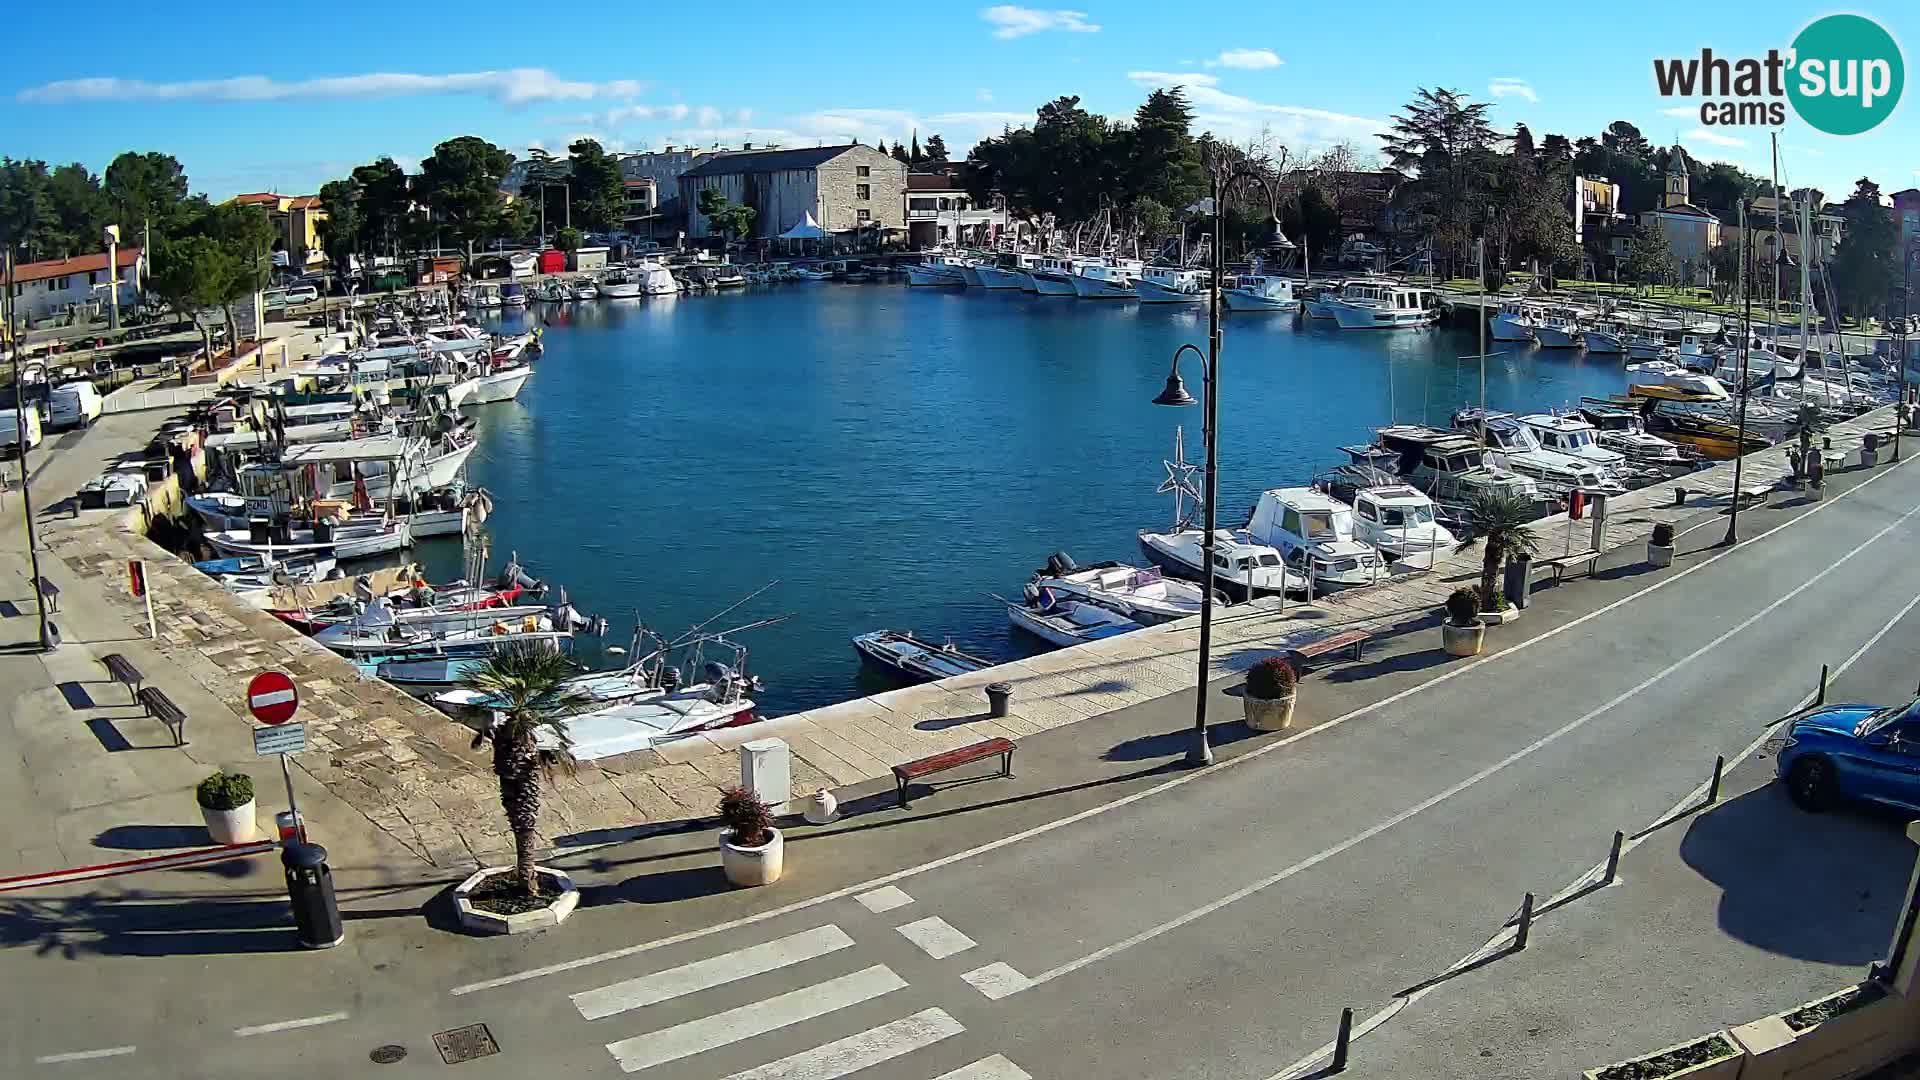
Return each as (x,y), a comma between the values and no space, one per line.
(893,455)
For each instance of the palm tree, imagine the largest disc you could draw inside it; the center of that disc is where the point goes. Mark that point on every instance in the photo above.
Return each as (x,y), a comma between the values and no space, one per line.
(522,678)
(1500,521)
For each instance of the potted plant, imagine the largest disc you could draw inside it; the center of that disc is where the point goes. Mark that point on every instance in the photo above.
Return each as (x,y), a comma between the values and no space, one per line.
(1660,546)
(523,683)
(1269,695)
(1500,520)
(1463,634)
(750,847)
(226,804)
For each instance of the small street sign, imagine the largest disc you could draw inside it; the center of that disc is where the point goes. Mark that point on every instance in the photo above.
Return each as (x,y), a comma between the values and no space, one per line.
(272,698)
(283,739)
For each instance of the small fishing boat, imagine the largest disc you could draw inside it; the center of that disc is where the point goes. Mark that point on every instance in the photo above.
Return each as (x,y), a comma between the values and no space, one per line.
(1054,619)
(1402,522)
(1260,292)
(906,657)
(1144,595)
(385,632)
(1313,532)
(351,541)
(1172,285)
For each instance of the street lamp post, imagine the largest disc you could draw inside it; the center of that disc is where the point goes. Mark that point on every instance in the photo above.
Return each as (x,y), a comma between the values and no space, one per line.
(1200,751)
(1746,341)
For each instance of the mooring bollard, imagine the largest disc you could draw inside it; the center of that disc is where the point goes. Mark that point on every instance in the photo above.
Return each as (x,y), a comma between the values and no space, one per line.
(1713,790)
(1526,923)
(1679,496)
(1341,1042)
(1613,858)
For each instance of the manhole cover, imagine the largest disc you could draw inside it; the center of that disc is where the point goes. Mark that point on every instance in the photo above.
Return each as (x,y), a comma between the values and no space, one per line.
(388,1054)
(465,1043)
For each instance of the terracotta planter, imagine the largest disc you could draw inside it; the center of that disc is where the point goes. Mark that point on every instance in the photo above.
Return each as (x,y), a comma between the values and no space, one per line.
(1659,555)
(1463,640)
(1268,714)
(235,826)
(749,866)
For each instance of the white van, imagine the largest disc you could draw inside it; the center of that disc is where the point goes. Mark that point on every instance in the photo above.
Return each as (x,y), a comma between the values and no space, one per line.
(10,430)
(74,404)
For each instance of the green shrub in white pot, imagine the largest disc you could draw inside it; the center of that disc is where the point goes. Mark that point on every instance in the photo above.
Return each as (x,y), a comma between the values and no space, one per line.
(226,804)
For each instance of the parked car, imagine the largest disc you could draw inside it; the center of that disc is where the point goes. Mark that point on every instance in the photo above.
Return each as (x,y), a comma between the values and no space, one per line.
(1842,753)
(76,404)
(302,294)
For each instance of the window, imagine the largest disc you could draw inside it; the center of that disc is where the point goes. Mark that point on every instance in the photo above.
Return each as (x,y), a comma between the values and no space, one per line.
(863,216)
(1290,521)
(863,192)
(93,277)
(863,170)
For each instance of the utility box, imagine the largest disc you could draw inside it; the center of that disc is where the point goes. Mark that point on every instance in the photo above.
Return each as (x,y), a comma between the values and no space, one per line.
(766,769)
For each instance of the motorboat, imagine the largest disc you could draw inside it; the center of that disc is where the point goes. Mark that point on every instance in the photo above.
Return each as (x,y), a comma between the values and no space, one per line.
(659,716)
(383,631)
(812,273)
(343,542)
(484,296)
(444,511)
(301,571)
(728,276)
(552,291)
(1402,523)
(1558,329)
(970,274)
(1172,285)
(513,295)
(1572,435)
(1621,430)
(1144,595)
(219,509)
(1378,305)
(619,284)
(1557,474)
(1009,271)
(1452,468)
(1513,322)
(1695,411)
(908,658)
(942,271)
(1313,532)
(1054,276)
(1109,279)
(585,289)
(1243,567)
(1317,304)
(500,385)
(1260,292)
(1607,339)
(414,603)
(1061,621)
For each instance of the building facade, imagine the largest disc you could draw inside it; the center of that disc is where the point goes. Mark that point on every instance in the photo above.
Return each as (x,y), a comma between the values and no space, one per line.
(939,211)
(296,225)
(847,189)
(57,286)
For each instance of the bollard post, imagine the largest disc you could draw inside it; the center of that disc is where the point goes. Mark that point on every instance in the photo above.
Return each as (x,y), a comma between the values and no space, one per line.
(1822,698)
(1341,1042)
(1679,496)
(1526,923)
(1713,790)
(1613,858)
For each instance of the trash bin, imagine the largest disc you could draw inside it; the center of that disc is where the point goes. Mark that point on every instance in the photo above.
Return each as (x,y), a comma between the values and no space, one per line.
(316,916)
(998,696)
(1518,586)
(285,822)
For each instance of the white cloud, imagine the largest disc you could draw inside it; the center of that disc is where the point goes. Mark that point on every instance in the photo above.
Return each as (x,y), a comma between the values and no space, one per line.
(1680,110)
(983,95)
(1231,116)
(625,114)
(1012,21)
(707,116)
(1247,59)
(1157,79)
(516,86)
(1510,87)
(1703,135)
(743,116)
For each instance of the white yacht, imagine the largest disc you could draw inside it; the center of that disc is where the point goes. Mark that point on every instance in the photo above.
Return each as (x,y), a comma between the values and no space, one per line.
(1061,621)
(1054,276)
(1555,472)
(1449,466)
(1146,596)
(1401,522)
(1260,292)
(1558,330)
(502,384)
(1243,567)
(1313,532)
(1010,272)
(584,289)
(657,280)
(618,284)
(1172,285)
(1377,305)
(1109,279)
(1573,436)
(1513,322)
(484,296)
(939,271)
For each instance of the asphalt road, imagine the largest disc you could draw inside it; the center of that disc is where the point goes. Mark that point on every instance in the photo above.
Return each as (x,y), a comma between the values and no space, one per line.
(1150,925)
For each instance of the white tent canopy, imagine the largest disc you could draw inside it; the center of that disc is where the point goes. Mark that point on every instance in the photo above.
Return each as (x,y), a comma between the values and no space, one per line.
(804,229)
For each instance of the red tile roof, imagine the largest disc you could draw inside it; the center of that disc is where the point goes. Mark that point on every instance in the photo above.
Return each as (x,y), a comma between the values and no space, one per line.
(304,202)
(259,198)
(79,264)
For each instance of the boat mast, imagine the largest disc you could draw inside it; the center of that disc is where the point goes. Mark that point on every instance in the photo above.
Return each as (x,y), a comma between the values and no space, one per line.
(1773,305)
(1480,317)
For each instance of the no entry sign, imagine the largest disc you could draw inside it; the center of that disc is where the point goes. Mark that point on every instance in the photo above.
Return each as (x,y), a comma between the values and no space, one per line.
(271,698)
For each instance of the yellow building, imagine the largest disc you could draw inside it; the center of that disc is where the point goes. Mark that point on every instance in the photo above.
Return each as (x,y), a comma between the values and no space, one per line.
(296,222)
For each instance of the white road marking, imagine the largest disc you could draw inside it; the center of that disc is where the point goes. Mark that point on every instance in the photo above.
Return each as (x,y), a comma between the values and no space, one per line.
(883,899)
(720,1029)
(1110,806)
(936,937)
(704,974)
(855,1052)
(84,1055)
(997,980)
(1432,801)
(289,1025)
(988,1068)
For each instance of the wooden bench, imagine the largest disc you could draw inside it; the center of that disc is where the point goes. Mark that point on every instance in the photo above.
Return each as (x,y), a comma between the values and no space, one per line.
(1354,641)
(161,707)
(122,671)
(50,593)
(953,759)
(1559,563)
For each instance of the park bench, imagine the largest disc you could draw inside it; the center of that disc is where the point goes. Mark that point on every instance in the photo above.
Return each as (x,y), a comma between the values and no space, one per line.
(51,594)
(1559,563)
(161,707)
(953,759)
(1353,641)
(122,671)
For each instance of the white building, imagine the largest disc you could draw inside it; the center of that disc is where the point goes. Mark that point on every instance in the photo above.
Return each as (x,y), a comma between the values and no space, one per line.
(57,286)
(939,212)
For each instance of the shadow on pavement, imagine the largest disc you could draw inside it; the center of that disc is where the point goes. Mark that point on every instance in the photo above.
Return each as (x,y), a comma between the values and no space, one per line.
(1408,661)
(1174,743)
(78,699)
(152,837)
(665,887)
(1817,887)
(95,925)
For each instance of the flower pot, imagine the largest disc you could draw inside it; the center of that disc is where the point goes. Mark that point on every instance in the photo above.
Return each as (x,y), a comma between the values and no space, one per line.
(750,866)
(552,913)
(235,826)
(1463,640)
(821,808)
(1268,714)
(1659,554)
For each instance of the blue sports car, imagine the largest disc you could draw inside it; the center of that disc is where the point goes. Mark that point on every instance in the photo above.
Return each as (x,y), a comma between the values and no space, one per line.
(1852,752)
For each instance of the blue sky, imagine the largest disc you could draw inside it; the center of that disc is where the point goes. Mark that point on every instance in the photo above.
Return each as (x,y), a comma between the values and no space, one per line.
(253,97)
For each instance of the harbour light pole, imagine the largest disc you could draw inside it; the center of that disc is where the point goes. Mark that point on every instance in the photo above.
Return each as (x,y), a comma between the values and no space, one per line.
(1200,751)
(1746,341)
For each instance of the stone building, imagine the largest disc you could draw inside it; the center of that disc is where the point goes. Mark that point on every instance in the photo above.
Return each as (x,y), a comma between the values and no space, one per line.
(847,189)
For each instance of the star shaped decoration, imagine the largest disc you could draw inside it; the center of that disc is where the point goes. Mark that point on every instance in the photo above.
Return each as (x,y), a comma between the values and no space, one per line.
(1179,481)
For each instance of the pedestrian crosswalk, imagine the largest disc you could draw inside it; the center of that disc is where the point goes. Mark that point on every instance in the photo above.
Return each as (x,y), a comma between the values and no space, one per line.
(659,1048)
